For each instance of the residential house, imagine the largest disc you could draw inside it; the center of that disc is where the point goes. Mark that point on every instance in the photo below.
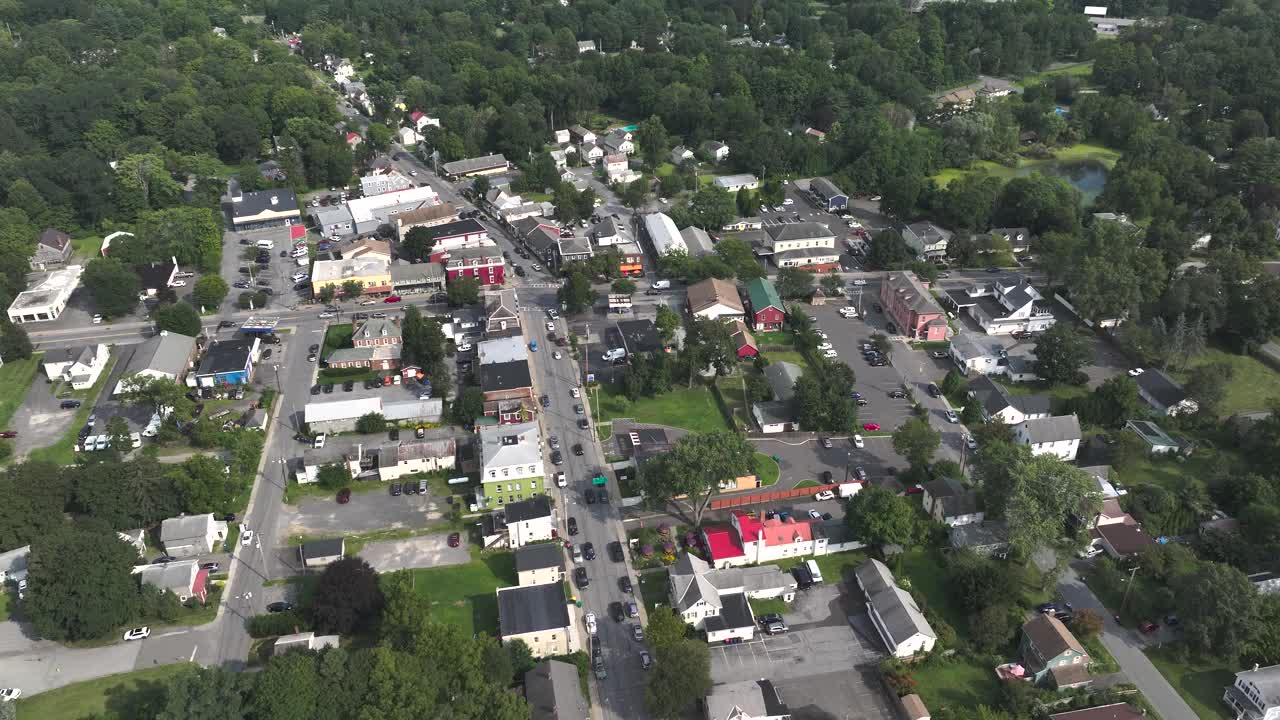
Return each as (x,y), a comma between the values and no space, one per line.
(560,159)
(716,299)
(959,99)
(375,343)
(192,535)
(591,153)
(746,700)
(79,366)
(184,578)
(679,154)
(1047,644)
(914,311)
(828,196)
(1123,539)
(483,263)
(471,167)
(749,539)
(373,273)
(381,181)
(714,150)
(697,240)
(553,692)
(1114,711)
(744,343)
(540,616)
(539,563)
(167,355)
(744,224)
(228,362)
(988,537)
(1019,238)
(615,167)
(508,391)
(458,235)
(502,350)
(529,521)
(973,355)
(734,183)
(1255,694)
(716,600)
(949,502)
(304,641)
(581,135)
(815,133)
(1158,441)
(322,553)
(1055,435)
(261,209)
(618,142)
(778,415)
(53,250)
(421,121)
(502,313)
(1003,306)
(610,231)
(397,460)
(333,221)
(572,249)
(997,403)
(809,245)
(894,613)
(1163,393)
(662,232)
(48,298)
(767,311)
(354,140)
(926,239)
(511,463)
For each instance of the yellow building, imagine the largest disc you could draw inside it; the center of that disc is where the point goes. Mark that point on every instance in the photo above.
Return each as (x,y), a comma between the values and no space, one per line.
(373,272)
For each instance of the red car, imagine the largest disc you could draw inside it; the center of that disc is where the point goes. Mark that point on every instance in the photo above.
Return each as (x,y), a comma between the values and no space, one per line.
(9,434)
(871,426)
(344,496)
(455,539)
(392,299)
(915,489)
(1148,627)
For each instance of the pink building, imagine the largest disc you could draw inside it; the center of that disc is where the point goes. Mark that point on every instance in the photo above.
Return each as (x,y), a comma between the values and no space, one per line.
(915,312)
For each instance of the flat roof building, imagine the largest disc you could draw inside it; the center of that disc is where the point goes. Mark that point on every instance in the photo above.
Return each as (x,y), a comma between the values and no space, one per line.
(48,298)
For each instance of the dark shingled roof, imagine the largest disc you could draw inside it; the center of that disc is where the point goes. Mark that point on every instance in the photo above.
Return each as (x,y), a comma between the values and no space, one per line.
(538,556)
(532,608)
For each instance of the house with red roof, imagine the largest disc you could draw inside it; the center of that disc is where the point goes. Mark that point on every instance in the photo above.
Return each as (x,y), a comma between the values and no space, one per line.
(752,540)
(422,121)
(353,139)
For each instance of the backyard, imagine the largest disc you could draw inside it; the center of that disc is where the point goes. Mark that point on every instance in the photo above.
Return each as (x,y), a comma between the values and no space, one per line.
(1078,69)
(128,696)
(1200,684)
(1253,385)
(689,408)
(464,595)
(956,682)
(653,588)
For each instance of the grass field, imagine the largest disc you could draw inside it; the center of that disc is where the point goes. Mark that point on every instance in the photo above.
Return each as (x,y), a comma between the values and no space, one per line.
(336,336)
(683,407)
(1253,385)
(1076,153)
(731,390)
(1199,684)
(15,378)
(956,683)
(463,595)
(924,568)
(63,452)
(127,695)
(790,356)
(653,588)
(1170,473)
(782,337)
(1080,69)
(766,469)
(761,606)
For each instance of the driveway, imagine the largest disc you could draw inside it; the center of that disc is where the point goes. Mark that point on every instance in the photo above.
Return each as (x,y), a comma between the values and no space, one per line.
(366,512)
(1125,646)
(39,421)
(418,552)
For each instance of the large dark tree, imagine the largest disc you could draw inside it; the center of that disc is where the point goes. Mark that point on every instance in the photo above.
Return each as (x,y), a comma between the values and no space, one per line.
(81,582)
(347,597)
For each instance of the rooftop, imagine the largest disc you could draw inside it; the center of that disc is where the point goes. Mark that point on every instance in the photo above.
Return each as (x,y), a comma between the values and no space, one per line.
(799,231)
(782,377)
(230,355)
(185,527)
(427,214)
(538,556)
(469,165)
(1160,386)
(663,234)
(252,204)
(728,181)
(995,398)
(747,699)
(341,409)
(531,609)
(824,187)
(908,287)
(895,606)
(515,444)
(1052,429)
(328,547)
(711,292)
(1050,636)
(763,295)
(503,350)
(338,271)
(553,692)
(538,506)
(1125,538)
(735,612)
(166,353)
(470,226)
(55,285)
(505,376)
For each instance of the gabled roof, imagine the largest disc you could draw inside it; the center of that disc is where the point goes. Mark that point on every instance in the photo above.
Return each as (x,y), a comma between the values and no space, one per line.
(907,286)
(254,203)
(1125,538)
(553,692)
(538,555)
(824,187)
(799,231)
(742,336)
(697,240)
(995,398)
(535,508)
(185,527)
(427,214)
(745,700)
(1052,429)
(782,377)
(763,294)
(1050,636)
(55,239)
(531,609)
(711,292)
(690,584)
(1163,388)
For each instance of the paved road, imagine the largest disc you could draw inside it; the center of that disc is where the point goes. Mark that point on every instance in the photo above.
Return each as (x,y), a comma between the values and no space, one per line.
(620,695)
(1125,647)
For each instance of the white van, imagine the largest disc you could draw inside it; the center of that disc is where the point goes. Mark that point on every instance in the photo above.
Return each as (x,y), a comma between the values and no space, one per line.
(813,570)
(266,245)
(661,284)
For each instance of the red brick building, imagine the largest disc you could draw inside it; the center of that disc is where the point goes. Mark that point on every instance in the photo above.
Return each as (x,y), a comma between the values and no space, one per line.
(375,344)
(482,263)
(914,311)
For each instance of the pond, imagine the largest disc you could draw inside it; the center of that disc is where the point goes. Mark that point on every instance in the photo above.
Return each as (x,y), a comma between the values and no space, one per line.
(1087,176)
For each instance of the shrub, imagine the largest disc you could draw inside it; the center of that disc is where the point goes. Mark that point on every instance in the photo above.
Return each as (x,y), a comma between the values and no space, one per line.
(276,624)
(664,530)
(668,547)
(646,550)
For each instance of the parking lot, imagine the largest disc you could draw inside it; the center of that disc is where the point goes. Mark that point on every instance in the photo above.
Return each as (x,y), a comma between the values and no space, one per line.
(366,512)
(423,551)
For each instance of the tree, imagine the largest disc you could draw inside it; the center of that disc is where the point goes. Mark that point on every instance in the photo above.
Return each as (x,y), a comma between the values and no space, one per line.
(623,286)
(990,629)
(206,693)
(209,291)
(333,476)
(1046,493)
(665,629)
(469,406)
(1111,404)
(712,208)
(832,285)
(888,251)
(287,688)
(878,517)
(1060,353)
(464,290)
(190,234)
(178,318)
(118,431)
(822,401)
(1207,385)
(737,254)
(794,283)
(371,423)
(916,441)
(204,485)
(352,288)
(651,137)
(347,597)
(15,344)
(1218,607)
(978,581)
(62,564)
(417,244)
(576,294)
(1086,623)
(681,675)
(707,344)
(326,295)
(667,321)
(498,667)
(113,287)
(695,467)
(521,656)
(159,394)
(635,194)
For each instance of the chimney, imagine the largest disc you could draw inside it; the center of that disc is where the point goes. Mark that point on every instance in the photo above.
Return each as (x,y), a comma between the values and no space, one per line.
(359,452)
(275,200)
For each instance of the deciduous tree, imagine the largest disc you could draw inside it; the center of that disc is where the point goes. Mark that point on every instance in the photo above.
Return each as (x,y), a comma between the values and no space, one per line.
(878,517)
(63,563)
(113,287)
(179,317)
(347,597)
(695,467)
(209,291)
(1060,353)
(417,245)
(916,441)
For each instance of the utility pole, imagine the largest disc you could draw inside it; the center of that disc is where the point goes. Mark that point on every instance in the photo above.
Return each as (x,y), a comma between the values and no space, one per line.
(1125,599)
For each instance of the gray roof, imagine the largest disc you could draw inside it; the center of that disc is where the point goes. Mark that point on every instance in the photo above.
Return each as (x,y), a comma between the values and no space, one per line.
(994,398)
(538,506)
(75,354)
(895,606)
(956,499)
(1267,680)
(253,203)
(430,409)
(174,576)
(782,377)
(774,412)
(799,231)
(690,583)
(532,608)
(553,692)
(503,350)
(167,353)
(574,246)
(538,556)
(906,284)
(405,272)
(746,699)
(328,547)
(735,612)
(980,535)
(468,165)
(1052,429)
(1019,237)
(825,188)
(496,450)
(186,527)
(969,347)
(1163,388)
(697,240)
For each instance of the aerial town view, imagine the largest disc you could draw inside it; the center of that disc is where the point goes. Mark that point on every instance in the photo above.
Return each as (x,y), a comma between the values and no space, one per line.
(639,360)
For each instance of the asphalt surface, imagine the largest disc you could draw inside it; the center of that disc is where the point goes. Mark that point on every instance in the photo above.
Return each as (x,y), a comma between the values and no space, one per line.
(418,552)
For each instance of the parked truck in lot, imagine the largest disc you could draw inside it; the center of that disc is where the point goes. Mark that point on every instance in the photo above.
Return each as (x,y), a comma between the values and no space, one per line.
(848,490)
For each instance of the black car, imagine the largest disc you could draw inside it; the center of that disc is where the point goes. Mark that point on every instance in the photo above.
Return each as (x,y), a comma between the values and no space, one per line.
(315,389)
(580,577)
(897,394)
(583,424)
(615,551)
(281,606)
(266,291)
(589,551)
(590,495)
(163,559)
(556,457)
(70,404)
(577,449)
(266,354)
(573,526)
(827,477)
(315,347)
(768,619)
(394,434)
(624,584)
(934,390)
(348,386)
(327,388)
(546,401)
(395,488)
(616,612)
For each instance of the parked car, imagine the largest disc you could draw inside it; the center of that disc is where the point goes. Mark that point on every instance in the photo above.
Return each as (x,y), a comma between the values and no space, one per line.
(825,495)
(589,551)
(580,577)
(455,539)
(212,567)
(858,442)
(557,458)
(396,489)
(344,496)
(70,404)
(281,606)
(646,661)
(573,526)
(871,427)
(826,442)
(246,537)
(951,416)
(637,633)
(163,559)
(624,584)
(137,633)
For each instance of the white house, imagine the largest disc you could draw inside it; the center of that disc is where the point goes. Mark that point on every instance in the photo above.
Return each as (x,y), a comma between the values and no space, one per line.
(949,502)
(192,535)
(581,135)
(79,366)
(562,137)
(539,564)
(926,239)
(734,183)
(511,463)
(716,600)
(1255,694)
(679,154)
(997,403)
(894,612)
(1164,394)
(618,141)
(591,152)
(615,167)
(973,356)
(529,521)
(409,136)
(1004,306)
(715,150)
(746,700)
(715,298)
(540,616)
(1058,435)
(421,121)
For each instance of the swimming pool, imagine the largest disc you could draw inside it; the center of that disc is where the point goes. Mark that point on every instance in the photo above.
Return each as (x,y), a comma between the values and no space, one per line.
(629,128)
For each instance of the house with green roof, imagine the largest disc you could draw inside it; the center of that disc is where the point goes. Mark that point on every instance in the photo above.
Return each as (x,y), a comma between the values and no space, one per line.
(767,311)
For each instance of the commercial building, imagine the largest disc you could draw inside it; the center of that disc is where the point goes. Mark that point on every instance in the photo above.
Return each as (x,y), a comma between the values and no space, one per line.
(470,167)
(192,535)
(508,391)
(810,245)
(333,221)
(261,209)
(341,415)
(511,464)
(167,355)
(429,216)
(663,234)
(380,183)
(78,366)
(715,299)
(48,298)
(371,213)
(485,264)
(746,700)
(914,311)
(457,235)
(827,195)
(372,272)
(734,183)
(894,613)
(228,362)
(408,278)
(375,343)
(540,616)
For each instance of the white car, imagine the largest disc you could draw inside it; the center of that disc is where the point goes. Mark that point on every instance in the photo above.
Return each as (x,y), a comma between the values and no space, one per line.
(556,355)
(10,694)
(825,495)
(859,282)
(575,392)
(561,480)
(413,173)
(1136,372)
(464,347)
(246,537)
(577,553)
(825,346)
(815,515)
(857,441)
(788,201)
(553,314)
(537,267)
(137,633)
(178,283)
(590,620)
(830,354)
(328,314)
(319,441)
(952,417)
(822,335)
(551,325)
(970,443)
(848,312)
(97,319)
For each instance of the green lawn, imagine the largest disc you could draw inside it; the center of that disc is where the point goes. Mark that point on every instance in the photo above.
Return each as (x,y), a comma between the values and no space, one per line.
(86,247)
(1169,473)
(335,337)
(1080,69)
(956,683)
(6,600)
(464,595)
(341,375)
(1076,153)
(760,606)
(63,452)
(126,696)
(732,391)
(683,407)
(1199,684)
(1102,661)
(15,378)
(653,588)
(807,484)
(1253,385)
(766,469)
(790,356)
(774,338)
(664,169)
(924,568)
